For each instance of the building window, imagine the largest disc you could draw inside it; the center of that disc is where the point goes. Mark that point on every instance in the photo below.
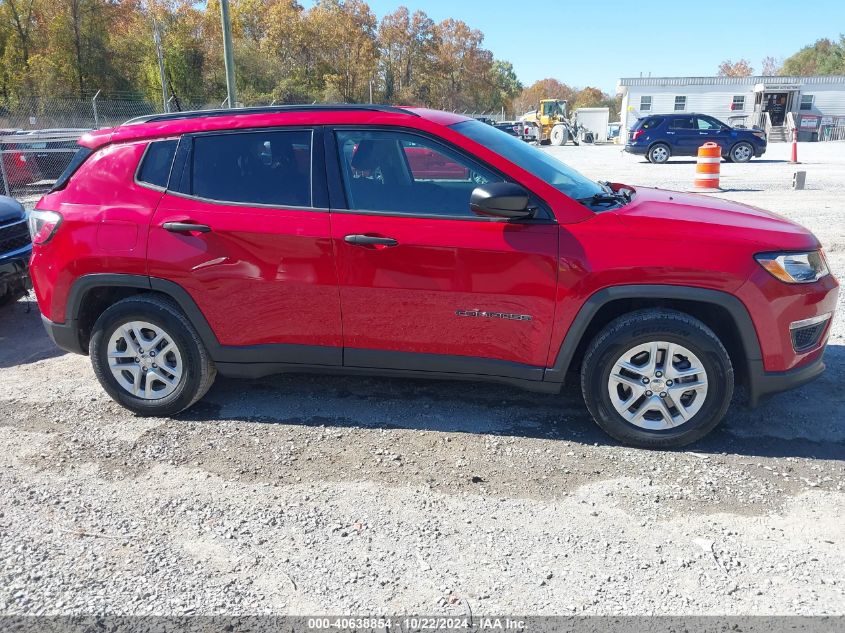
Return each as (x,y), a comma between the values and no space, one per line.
(806,102)
(680,104)
(645,104)
(738,103)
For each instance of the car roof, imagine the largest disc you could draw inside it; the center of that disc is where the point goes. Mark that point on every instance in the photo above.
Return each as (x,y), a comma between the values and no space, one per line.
(176,123)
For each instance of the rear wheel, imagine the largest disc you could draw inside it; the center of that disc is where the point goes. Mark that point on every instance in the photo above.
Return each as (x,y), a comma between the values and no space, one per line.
(657,379)
(658,153)
(149,358)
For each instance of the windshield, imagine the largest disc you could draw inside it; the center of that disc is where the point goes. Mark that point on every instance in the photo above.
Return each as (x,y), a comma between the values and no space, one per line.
(531,159)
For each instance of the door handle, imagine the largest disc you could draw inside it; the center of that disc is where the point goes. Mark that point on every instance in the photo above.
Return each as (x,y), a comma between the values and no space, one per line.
(185,227)
(370,240)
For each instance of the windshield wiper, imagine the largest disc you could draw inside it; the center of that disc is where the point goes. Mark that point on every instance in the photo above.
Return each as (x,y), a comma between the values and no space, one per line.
(605,198)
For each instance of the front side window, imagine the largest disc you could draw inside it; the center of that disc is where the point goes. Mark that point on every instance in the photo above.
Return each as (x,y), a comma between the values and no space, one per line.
(533,160)
(155,166)
(706,123)
(404,173)
(271,167)
(806,102)
(680,104)
(645,104)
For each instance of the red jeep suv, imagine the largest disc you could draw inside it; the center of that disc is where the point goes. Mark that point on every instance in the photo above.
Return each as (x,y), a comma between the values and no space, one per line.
(411,242)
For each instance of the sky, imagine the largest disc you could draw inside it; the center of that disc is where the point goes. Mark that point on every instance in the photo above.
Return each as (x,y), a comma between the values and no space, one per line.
(596,43)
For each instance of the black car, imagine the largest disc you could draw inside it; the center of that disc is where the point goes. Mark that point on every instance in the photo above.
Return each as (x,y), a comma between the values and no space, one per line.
(660,136)
(511,127)
(15,249)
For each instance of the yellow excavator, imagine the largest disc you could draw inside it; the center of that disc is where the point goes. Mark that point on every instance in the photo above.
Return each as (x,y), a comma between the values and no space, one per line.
(551,123)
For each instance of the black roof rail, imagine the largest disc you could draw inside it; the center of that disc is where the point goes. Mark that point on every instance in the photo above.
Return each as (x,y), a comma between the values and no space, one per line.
(193,114)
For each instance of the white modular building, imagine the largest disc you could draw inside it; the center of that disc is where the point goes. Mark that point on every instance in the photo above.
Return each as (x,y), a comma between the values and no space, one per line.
(815,106)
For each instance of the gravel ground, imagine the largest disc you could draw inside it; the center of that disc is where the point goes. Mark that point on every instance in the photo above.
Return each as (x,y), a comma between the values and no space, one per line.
(303,494)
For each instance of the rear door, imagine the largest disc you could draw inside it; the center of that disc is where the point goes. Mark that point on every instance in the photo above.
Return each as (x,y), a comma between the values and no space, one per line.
(259,265)
(424,283)
(683,136)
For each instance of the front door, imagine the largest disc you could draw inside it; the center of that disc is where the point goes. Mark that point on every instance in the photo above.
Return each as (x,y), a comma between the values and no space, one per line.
(424,283)
(775,104)
(260,267)
(683,135)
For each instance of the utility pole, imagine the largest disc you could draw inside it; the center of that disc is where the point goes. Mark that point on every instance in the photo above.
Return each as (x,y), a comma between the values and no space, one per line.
(157,39)
(227,53)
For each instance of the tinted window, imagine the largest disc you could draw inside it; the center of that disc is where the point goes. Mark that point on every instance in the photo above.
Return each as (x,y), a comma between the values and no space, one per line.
(682,123)
(261,167)
(80,157)
(155,168)
(405,173)
(650,123)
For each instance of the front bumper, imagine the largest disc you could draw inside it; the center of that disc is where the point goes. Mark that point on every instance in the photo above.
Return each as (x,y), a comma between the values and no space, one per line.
(762,383)
(14,271)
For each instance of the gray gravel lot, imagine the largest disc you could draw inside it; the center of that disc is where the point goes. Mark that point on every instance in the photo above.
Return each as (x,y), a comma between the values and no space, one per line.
(305,494)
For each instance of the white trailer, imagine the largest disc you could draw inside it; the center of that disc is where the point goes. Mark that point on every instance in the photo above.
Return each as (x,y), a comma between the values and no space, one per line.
(593,120)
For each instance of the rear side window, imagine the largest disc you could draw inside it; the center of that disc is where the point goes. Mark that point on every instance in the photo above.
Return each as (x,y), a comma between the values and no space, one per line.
(155,166)
(271,167)
(80,157)
(651,122)
(683,123)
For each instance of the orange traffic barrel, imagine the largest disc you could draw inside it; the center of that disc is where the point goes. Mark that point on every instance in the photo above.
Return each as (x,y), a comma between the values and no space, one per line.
(707,168)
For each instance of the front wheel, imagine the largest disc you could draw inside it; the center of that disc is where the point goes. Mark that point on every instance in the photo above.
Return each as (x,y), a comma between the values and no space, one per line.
(558,136)
(657,379)
(149,358)
(741,153)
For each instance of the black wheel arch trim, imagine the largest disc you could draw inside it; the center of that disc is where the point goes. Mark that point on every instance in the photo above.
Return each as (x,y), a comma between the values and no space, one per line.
(737,310)
(272,353)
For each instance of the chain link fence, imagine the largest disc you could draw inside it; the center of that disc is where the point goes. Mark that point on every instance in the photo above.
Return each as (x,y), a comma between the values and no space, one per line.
(38,136)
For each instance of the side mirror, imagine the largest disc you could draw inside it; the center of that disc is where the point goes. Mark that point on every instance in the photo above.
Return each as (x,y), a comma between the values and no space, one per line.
(500,200)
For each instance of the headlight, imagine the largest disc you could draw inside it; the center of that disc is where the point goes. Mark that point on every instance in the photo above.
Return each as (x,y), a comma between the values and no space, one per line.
(795,268)
(42,225)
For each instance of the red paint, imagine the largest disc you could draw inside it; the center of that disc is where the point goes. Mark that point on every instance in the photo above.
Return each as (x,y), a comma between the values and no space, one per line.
(270,275)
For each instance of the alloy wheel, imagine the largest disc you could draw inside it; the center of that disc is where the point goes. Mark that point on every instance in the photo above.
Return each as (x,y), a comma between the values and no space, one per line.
(657,385)
(145,360)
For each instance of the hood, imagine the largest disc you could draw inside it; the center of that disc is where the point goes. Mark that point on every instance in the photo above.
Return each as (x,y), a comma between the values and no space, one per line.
(10,209)
(676,215)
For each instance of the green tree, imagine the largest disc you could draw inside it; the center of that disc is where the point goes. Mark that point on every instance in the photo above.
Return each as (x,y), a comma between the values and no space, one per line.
(825,57)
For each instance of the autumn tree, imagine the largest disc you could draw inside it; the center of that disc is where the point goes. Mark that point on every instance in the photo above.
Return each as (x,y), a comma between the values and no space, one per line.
(547,88)
(742,68)
(770,66)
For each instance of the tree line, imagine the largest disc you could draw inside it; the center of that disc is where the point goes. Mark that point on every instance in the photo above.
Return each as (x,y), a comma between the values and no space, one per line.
(334,51)
(824,57)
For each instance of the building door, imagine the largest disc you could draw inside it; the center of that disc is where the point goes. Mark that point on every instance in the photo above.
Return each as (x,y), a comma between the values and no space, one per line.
(775,104)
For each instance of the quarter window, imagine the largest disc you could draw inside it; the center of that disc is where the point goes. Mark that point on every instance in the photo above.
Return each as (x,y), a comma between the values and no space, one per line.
(806,102)
(405,173)
(645,104)
(270,167)
(680,103)
(155,168)
(738,103)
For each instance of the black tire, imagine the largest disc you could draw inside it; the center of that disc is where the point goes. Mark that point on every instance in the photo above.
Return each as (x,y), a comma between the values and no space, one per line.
(198,369)
(658,153)
(742,152)
(644,326)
